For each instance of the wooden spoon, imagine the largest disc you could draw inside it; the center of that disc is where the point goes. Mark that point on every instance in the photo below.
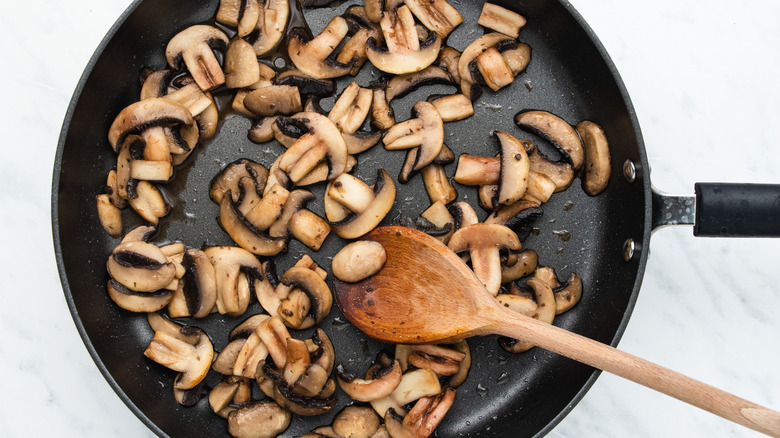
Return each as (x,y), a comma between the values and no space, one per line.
(426,294)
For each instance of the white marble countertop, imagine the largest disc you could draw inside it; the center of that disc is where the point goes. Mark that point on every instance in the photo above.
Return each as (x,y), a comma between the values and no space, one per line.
(703,80)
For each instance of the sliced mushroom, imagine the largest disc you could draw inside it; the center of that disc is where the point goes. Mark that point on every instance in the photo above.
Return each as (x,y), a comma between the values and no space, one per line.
(140,116)
(243,330)
(234,268)
(453,107)
(192,361)
(404,53)
(494,70)
(557,131)
(241,66)
(427,413)
(441,360)
(263,419)
(500,19)
(221,395)
(351,108)
(438,215)
(356,422)
(109,214)
(436,15)
(134,301)
(244,233)
(476,171)
(270,26)
(597,159)
(307,85)
(140,266)
(382,114)
(312,55)
(463,213)
(544,311)
(467,61)
(402,85)
(484,243)
(540,187)
(194,46)
(525,263)
(448,59)
(199,283)
(315,288)
(322,142)
(309,229)
(567,294)
(413,386)
(226,359)
(382,384)
(519,216)
(515,166)
(273,100)
(228,180)
(351,224)
(425,130)
(437,184)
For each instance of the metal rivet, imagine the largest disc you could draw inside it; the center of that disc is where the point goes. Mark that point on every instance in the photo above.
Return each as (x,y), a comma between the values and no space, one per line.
(629,171)
(280,63)
(629,248)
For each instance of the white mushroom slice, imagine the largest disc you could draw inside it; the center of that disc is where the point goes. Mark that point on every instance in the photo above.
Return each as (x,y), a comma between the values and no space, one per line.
(383,383)
(140,116)
(477,171)
(484,242)
(192,361)
(358,260)
(500,19)
(156,84)
(226,358)
(469,85)
(133,301)
(351,192)
(230,263)
(404,52)
(273,333)
(140,266)
(314,286)
(147,170)
(540,187)
(441,360)
(426,414)
(192,97)
(351,109)
(515,166)
(561,172)
(425,130)
(597,159)
(221,395)
(453,107)
(294,309)
(141,233)
(110,216)
(262,131)
(298,361)
(436,15)
(413,386)
(295,202)
(354,225)
(241,66)
(193,46)
(448,60)
(312,57)
(309,229)
(557,131)
(263,419)
(270,26)
(518,58)
(544,312)
(199,283)
(437,184)
(252,352)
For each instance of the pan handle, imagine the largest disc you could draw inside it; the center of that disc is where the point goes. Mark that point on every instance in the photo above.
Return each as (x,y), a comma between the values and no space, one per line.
(722,210)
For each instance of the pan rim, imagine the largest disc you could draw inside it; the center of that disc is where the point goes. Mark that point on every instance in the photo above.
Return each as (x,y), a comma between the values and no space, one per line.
(642,177)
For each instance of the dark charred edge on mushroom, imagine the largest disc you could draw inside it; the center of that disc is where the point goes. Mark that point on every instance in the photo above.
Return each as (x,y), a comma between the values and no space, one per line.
(270,273)
(130,259)
(179,140)
(424,225)
(316,354)
(136,149)
(522,223)
(379,83)
(191,397)
(215,44)
(136,130)
(425,79)
(354,21)
(315,303)
(395,415)
(382,366)
(292,127)
(446,156)
(287,392)
(304,35)
(307,86)
(192,286)
(343,374)
(380,182)
(457,215)
(565,157)
(313,104)
(244,221)
(121,288)
(162,86)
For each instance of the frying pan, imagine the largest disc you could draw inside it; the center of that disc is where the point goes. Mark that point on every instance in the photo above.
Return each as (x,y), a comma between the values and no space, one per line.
(570,75)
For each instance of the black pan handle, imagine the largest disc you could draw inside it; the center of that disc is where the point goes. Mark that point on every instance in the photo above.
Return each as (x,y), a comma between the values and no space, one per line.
(737,210)
(722,210)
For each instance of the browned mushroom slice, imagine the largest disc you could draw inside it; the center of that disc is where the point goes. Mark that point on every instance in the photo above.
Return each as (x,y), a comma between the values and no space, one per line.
(518,58)
(312,56)
(262,130)
(557,131)
(263,419)
(233,268)
(515,166)
(448,60)
(425,130)
(194,47)
(361,29)
(323,141)
(296,201)
(438,215)
(270,26)
(367,213)
(309,229)
(436,15)
(139,116)
(441,360)
(413,386)
(246,234)
(192,361)
(358,260)
(273,100)
(307,85)
(404,52)
(568,294)
(382,384)
(544,311)
(140,266)
(199,283)
(356,422)
(222,394)
(156,84)
(469,85)
(134,301)
(226,358)
(493,69)
(559,172)
(453,107)
(351,109)
(402,85)
(518,216)
(484,243)
(192,97)
(437,184)
(525,263)
(500,19)
(315,288)
(424,417)
(382,114)
(597,159)
(109,214)
(228,179)
(476,171)
(241,66)
(540,187)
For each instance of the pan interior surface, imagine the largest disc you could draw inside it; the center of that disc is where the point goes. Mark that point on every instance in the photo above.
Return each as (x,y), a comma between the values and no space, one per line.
(518,395)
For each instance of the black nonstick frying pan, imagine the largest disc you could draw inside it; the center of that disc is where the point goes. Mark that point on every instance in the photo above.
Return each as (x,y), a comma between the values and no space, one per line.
(569,75)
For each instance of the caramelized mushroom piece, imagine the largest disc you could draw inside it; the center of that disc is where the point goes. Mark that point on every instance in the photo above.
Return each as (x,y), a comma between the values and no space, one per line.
(263,419)
(500,19)
(366,211)
(436,15)
(404,53)
(312,56)
(194,47)
(270,27)
(383,382)
(140,266)
(192,361)
(557,131)
(425,130)
(109,214)
(484,243)
(597,159)
(413,386)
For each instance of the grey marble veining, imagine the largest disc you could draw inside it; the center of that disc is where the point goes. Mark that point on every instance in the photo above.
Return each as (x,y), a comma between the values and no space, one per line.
(703,80)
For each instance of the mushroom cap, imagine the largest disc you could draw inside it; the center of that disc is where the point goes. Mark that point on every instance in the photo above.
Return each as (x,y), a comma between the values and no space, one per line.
(515,166)
(191,361)
(194,45)
(144,114)
(191,37)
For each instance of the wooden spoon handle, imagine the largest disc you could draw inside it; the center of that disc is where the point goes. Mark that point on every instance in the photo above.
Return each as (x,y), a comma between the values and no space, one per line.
(638,370)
